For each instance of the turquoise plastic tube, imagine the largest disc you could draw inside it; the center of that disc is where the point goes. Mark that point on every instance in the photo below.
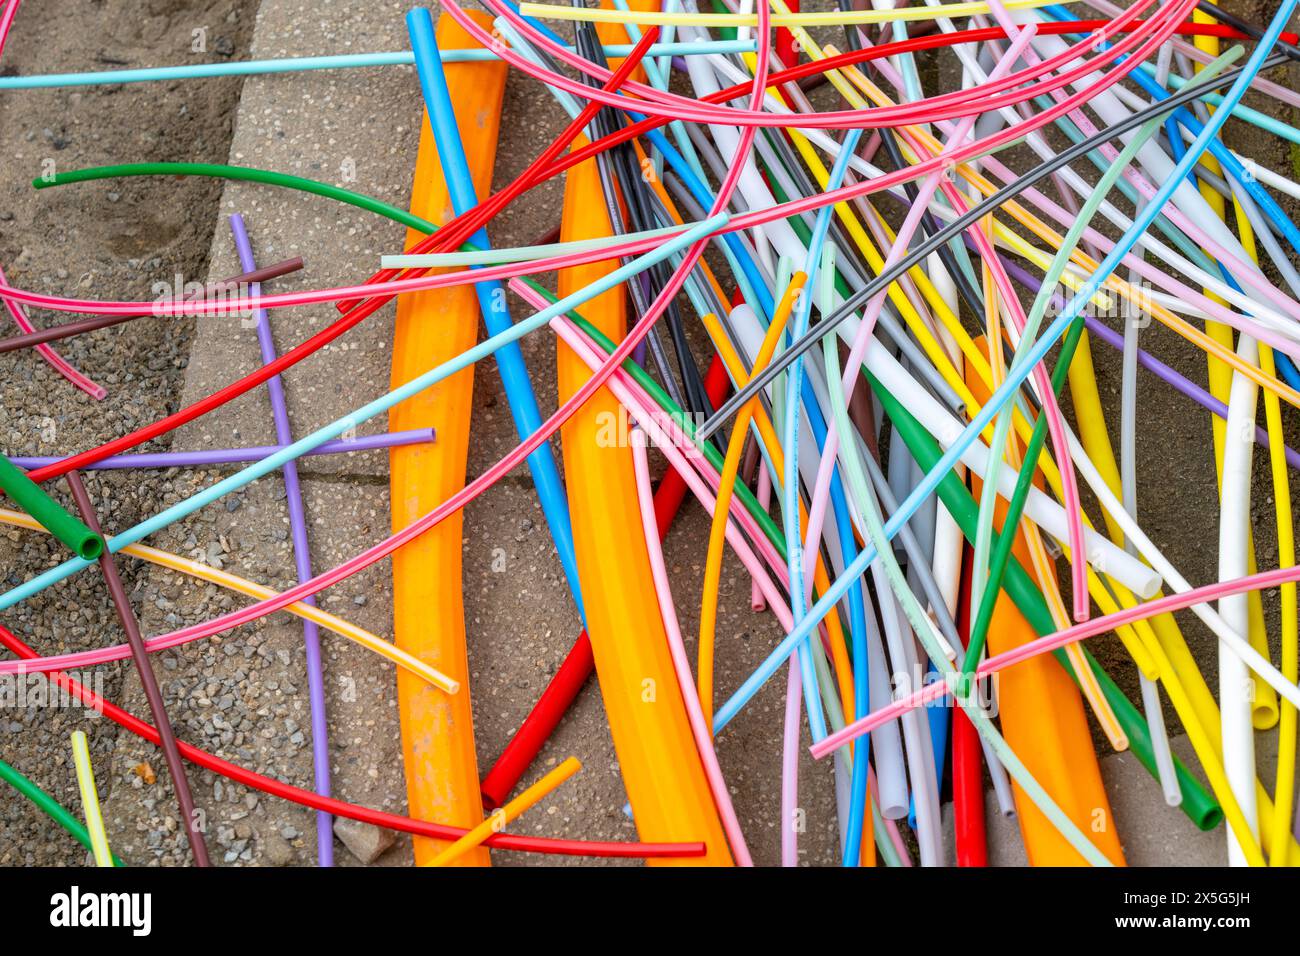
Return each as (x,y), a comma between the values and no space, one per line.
(343,61)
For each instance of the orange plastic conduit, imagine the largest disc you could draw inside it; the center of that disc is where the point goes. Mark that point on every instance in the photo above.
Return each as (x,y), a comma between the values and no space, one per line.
(442,780)
(661,768)
(1043,720)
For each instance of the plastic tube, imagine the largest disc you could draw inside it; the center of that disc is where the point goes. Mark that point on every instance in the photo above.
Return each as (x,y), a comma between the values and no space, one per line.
(739,222)
(1236,687)
(81,326)
(507,814)
(438,740)
(1040,348)
(29,496)
(55,360)
(1057,639)
(1001,196)
(969,832)
(717,530)
(1280,850)
(806,19)
(89,796)
(923,628)
(414,386)
(662,771)
(699,725)
(341,808)
(345,61)
(934,107)
(1041,713)
(301,558)
(578,664)
(522,750)
(988,573)
(224,456)
(49,806)
(1153,365)
(491,295)
(205,572)
(405,58)
(190,818)
(1197,804)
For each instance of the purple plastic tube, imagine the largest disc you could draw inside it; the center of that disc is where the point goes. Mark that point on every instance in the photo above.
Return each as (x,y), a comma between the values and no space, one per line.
(226,456)
(302,560)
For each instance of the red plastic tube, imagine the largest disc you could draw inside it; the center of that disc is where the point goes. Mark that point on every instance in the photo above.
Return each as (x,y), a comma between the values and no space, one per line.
(540,723)
(785,40)
(307,798)
(563,688)
(967,769)
(353,317)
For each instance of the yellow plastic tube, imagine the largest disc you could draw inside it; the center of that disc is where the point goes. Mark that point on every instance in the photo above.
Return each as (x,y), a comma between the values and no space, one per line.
(442,781)
(260,592)
(510,812)
(661,767)
(90,800)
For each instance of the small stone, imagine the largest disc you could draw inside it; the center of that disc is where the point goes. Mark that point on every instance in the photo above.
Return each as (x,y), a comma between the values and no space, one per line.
(276,850)
(364,841)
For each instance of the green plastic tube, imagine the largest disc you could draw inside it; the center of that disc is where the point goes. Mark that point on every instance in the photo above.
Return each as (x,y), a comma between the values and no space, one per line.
(1203,810)
(48,805)
(29,496)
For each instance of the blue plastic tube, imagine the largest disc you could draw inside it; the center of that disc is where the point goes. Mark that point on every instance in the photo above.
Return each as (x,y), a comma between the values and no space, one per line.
(794,386)
(492,295)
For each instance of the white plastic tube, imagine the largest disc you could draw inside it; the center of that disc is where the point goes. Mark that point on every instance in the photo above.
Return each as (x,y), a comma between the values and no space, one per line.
(1236,687)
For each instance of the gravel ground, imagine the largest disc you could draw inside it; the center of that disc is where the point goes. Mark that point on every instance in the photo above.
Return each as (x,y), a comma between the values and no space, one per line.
(244,695)
(112,243)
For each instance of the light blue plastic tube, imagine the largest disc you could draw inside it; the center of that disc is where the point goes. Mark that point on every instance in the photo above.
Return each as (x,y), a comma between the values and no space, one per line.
(344,61)
(380,405)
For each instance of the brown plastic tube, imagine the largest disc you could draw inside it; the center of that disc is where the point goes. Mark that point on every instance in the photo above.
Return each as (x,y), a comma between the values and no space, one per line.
(148,680)
(81,326)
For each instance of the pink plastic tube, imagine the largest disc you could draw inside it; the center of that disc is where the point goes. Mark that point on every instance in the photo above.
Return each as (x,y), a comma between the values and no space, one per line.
(764,494)
(1043,645)
(1006,290)
(507,271)
(790,765)
(6,21)
(466,494)
(57,361)
(681,664)
(980,99)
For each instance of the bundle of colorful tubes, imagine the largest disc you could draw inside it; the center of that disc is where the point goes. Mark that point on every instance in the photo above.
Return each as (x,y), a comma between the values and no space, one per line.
(875,310)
